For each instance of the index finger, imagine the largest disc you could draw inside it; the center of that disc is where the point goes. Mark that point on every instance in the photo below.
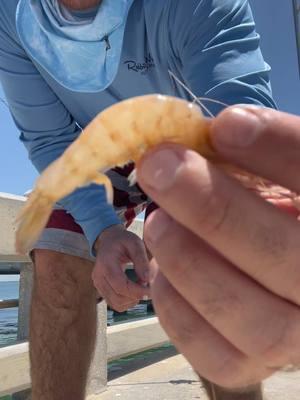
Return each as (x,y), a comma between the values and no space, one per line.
(252,234)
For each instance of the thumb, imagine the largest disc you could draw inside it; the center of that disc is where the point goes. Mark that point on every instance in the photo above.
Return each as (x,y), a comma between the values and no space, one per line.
(259,140)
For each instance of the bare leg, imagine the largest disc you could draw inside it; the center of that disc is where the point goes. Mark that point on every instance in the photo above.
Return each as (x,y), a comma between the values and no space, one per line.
(62,326)
(215,392)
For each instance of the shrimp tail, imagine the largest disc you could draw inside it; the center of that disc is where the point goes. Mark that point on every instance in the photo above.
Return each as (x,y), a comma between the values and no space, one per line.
(31,221)
(36,212)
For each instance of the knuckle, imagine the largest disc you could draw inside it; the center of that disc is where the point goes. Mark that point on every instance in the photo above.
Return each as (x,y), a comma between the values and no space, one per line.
(103,267)
(120,287)
(218,302)
(215,211)
(181,332)
(108,273)
(273,245)
(292,291)
(220,305)
(186,254)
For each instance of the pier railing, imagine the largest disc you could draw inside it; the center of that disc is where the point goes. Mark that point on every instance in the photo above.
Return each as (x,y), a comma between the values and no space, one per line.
(112,343)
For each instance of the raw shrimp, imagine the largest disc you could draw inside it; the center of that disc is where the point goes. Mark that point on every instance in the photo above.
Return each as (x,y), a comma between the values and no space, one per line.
(119,134)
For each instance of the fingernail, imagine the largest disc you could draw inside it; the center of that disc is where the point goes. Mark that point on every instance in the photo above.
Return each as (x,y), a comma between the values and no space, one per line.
(159,170)
(240,131)
(157,227)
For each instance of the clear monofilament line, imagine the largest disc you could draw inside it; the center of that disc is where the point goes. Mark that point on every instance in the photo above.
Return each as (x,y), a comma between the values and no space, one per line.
(198,100)
(213,101)
(191,94)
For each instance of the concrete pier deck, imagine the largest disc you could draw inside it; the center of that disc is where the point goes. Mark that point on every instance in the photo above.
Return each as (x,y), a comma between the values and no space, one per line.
(165,375)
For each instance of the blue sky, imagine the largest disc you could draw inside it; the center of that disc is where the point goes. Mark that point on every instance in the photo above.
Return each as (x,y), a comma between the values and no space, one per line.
(16,171)
(275,24)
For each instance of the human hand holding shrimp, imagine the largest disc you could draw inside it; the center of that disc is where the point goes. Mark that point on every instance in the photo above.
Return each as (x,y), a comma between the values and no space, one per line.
(115,248)
(228,292)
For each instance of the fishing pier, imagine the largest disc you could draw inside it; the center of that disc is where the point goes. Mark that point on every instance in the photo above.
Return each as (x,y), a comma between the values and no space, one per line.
(150,369)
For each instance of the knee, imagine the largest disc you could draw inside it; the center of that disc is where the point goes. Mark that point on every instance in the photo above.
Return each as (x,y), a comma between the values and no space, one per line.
(60,279)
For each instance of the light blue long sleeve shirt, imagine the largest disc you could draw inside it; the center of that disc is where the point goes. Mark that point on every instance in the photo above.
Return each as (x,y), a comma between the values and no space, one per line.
(210,45)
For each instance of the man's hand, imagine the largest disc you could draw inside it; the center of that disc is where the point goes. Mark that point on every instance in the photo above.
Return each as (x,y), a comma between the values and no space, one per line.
(115,248)
(227,290)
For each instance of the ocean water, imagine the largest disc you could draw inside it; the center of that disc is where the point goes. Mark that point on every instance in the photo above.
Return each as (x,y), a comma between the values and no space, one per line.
(8,317)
